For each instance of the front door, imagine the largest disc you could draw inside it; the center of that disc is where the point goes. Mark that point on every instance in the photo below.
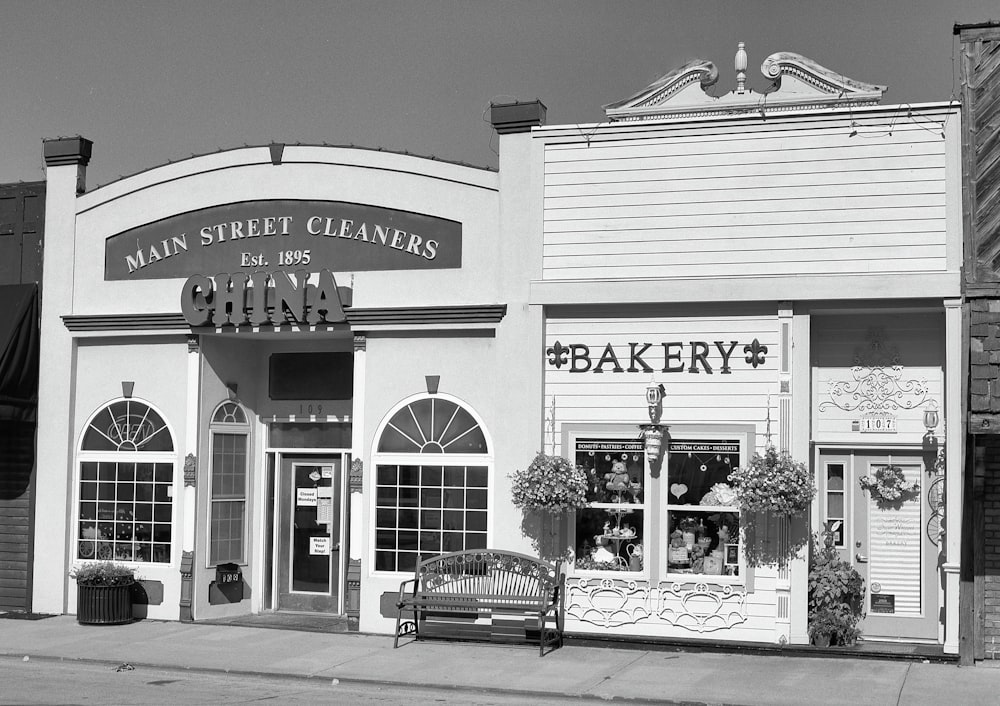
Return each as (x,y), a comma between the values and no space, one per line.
(890,543)
(309,558)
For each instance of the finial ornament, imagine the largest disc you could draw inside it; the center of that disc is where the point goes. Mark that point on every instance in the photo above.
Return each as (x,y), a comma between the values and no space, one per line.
(741,68)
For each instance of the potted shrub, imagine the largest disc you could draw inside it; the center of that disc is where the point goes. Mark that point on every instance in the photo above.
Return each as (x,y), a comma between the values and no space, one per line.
(103,593)
(551,484)
(833,626)
(836,597)
(774,483)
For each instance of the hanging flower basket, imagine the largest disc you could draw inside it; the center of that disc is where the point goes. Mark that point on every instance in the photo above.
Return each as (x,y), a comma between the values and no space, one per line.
(774,483)
(551,484)
(887,485)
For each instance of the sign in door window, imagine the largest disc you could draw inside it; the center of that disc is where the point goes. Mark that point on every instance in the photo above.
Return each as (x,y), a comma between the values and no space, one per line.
(312,542)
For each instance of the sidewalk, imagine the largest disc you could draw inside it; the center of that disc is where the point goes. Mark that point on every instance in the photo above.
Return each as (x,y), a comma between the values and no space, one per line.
(602,672)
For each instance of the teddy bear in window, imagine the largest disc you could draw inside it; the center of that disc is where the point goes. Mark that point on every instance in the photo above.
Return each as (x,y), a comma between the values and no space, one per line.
(619,483)
(617,479)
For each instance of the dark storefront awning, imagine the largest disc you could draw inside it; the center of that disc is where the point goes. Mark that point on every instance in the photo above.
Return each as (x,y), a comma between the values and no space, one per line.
(19,332)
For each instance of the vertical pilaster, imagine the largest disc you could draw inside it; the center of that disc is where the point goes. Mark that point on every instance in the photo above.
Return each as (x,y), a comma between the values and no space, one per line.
(954,480)
(66,160)
(786,529)
(189,510)
(355,480)
(800,435)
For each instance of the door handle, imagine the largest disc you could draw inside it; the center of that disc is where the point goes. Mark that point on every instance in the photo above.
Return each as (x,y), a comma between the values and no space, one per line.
(861,558)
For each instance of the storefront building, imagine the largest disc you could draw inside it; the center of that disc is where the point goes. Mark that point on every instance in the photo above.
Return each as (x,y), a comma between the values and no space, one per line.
(784,268)
(231,345)
(273,377)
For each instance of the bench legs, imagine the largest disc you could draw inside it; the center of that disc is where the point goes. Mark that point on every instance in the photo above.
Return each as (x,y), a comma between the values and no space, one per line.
(404,627)
(549,636)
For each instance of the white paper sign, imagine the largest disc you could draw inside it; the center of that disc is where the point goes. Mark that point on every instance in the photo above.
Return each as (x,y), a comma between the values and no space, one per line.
(319,546)
(305,497)
(327,471)
(324,511)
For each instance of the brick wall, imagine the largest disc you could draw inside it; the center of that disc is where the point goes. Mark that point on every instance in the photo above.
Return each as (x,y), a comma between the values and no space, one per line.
(991,546)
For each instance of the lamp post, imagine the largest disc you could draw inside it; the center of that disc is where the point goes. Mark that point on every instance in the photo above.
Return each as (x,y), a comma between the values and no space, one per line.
(931,417)
(652,433)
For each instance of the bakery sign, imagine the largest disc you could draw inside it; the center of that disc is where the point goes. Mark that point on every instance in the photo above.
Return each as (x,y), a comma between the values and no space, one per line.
(284,234)
(665,357)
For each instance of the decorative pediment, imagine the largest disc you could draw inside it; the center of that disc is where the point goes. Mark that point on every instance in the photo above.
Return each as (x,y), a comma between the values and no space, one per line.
(795,83)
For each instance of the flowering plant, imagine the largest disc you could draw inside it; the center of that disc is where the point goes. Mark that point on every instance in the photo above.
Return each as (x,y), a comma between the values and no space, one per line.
(887,484)
(774,483)
(103,573)
(550,483)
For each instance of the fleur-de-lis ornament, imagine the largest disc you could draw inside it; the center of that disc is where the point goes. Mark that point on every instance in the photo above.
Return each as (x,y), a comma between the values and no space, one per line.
(755,352)
(558,354)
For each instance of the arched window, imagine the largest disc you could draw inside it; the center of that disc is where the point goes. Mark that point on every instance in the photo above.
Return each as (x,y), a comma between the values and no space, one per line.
(230,434)
(432,473)
(127,465)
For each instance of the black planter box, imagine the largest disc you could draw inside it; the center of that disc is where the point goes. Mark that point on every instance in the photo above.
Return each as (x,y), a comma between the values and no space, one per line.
(104,605)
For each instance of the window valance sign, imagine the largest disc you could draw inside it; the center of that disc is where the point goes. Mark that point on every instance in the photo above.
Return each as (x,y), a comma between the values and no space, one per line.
(276,234)
(665,357)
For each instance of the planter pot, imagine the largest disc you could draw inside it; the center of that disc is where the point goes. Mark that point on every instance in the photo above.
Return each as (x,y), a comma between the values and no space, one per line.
(104,605)
(821,640)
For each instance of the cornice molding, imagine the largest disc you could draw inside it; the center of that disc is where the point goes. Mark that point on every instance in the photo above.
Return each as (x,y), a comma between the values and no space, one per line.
(356,318)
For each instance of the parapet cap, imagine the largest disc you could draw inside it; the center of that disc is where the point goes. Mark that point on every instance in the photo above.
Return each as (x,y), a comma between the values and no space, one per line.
(59,151)
(517,117)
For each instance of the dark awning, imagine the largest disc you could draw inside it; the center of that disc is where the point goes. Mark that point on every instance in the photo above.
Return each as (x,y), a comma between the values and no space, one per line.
(19,332)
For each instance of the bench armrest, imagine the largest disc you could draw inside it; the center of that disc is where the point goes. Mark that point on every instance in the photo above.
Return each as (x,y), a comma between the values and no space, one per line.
(403,592)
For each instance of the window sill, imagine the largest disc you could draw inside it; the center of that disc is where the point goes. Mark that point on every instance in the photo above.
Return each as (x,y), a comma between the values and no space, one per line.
(723,579)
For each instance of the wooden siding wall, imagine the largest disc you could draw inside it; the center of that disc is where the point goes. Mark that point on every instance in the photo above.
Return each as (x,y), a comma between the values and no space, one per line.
(17,452)
(914,341)
(715,400)
(739,397)
(22,223)
(981,149)
(804,197)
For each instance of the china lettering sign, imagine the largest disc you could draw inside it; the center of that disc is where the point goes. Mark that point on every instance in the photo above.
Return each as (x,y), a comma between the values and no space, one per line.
(665,357)
(262,298)
(257,235)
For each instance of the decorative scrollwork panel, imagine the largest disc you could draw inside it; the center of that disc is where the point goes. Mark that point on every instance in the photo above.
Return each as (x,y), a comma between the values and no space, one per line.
(607,602)
(700,606)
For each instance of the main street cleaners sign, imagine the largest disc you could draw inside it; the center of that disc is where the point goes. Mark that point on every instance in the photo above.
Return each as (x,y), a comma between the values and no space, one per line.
(280,234)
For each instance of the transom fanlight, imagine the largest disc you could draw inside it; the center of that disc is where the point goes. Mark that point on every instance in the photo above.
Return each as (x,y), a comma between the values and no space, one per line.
(433,426)
(229,413)
(127,425)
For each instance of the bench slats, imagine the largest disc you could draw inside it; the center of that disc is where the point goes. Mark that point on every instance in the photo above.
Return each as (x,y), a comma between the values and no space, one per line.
(481,583)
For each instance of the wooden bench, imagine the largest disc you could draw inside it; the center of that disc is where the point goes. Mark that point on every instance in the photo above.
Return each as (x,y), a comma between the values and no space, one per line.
(476,584)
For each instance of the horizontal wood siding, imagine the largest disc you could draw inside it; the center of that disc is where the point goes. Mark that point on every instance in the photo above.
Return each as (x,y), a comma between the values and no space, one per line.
(691,398)
(16,467)
(916,341)
(812,200)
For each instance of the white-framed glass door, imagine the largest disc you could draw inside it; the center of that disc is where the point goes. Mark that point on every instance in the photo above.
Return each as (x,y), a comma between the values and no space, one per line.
(310,532)
(889,543)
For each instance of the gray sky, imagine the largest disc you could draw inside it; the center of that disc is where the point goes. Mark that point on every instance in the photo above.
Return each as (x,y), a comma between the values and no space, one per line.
(150,81)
